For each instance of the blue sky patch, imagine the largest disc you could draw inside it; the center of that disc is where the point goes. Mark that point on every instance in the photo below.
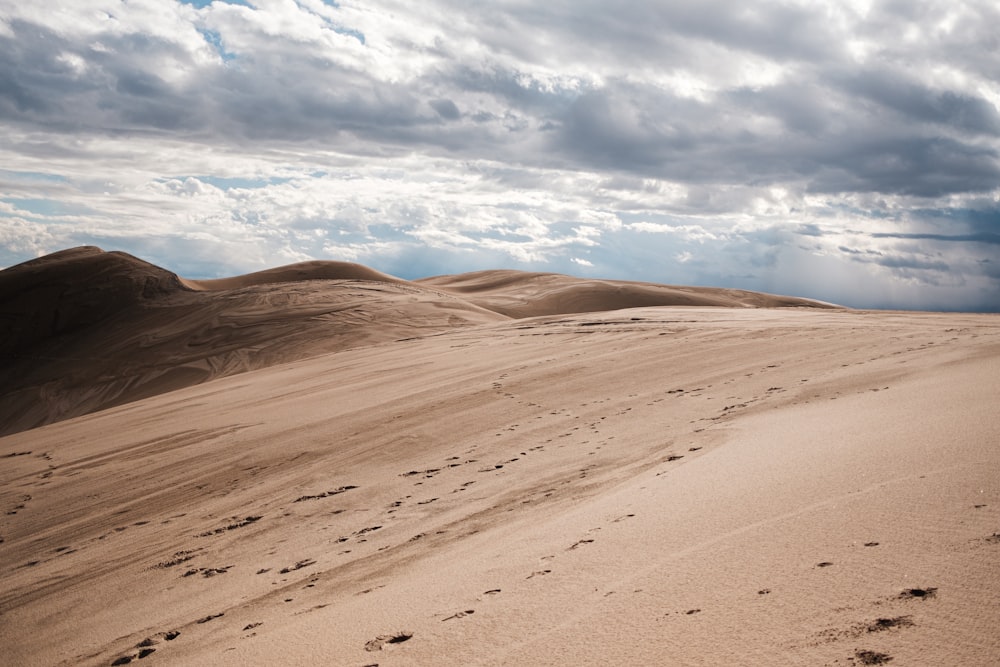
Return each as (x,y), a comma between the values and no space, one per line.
(32,176)
(44,207)
(240,183)
(215,39)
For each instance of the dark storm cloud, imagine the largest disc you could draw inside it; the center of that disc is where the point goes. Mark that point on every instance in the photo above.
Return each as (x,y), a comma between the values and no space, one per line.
(613,128)
(959,225)
(446,109)
(896,90)
(909,165)
(809,230)
(29,75)
(508,86)
(118,90)
(901,262)
(984,237)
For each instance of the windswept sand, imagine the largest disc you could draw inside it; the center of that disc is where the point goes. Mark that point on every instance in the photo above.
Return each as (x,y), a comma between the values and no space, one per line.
(681,485)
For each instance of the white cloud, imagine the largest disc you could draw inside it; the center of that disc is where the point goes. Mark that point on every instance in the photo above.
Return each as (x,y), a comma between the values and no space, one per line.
(737,140)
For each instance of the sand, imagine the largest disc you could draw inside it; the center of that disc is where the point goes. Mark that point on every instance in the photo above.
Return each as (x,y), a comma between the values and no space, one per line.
(684,485)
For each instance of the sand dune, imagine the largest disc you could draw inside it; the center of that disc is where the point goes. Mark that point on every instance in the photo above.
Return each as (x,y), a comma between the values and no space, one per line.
(303,271)
(91,329)
(523,294)
(657,485)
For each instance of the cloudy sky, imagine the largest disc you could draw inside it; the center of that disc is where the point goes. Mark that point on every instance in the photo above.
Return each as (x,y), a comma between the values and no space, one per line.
(842,150)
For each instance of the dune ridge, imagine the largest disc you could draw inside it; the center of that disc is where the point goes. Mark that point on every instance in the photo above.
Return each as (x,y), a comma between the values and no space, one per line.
(301,271)
(89,329)
(520,294)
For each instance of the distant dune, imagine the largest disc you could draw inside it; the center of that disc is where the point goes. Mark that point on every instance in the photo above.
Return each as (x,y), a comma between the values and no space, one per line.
(520,294)
(88,329)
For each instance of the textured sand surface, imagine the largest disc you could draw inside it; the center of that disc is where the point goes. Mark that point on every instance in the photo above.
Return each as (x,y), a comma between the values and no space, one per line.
(659,485)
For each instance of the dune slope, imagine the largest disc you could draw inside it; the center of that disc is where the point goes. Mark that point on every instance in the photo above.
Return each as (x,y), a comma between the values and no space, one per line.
(88,329)
(682,486)
(91,329)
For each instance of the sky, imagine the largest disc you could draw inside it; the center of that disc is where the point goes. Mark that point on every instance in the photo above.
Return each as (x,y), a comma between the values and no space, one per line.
(847,151)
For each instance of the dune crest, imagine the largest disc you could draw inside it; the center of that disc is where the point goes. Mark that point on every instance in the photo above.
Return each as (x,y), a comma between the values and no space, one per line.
(523,294)
(302,271)
(67,291)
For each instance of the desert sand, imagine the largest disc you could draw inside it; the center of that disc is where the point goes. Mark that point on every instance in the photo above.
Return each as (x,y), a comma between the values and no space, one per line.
(322,464)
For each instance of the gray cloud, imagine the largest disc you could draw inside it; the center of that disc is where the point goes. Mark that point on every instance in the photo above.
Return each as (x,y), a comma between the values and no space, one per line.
(982,237)
(446,109)
(896,91)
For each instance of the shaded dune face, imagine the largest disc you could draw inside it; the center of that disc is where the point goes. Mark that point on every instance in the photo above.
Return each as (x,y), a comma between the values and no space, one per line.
(87,329)
(65,292)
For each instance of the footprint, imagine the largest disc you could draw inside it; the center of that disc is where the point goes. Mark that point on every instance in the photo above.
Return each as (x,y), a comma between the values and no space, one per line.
(298,566)
(126,659)
(460,614)
(882,624)
(538,573)
(369,590)
(918,593)
(237,523)
(872,657)
(380,641)
(210,617)
(207,571)
(578,543)
(325,494)
(430,472)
